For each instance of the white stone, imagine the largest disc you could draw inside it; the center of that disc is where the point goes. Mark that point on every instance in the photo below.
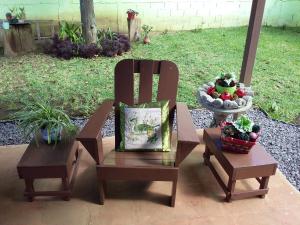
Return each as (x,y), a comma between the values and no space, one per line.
(241,102)
(218,103)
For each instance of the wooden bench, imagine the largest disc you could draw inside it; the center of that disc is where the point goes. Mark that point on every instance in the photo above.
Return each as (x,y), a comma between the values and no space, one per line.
(50,161)
(256,164)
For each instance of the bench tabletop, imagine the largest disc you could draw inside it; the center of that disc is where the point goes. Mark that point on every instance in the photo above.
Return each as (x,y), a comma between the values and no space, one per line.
(256,157)
(43,155)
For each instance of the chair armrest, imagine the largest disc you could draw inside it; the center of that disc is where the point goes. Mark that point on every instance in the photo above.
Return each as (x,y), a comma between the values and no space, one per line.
(186,131)
(92,129)
(187,138)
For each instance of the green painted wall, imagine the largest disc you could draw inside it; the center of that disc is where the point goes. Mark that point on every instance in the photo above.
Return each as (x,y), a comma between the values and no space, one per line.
(163,14)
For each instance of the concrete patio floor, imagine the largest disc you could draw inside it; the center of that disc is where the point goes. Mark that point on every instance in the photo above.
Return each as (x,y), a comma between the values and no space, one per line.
(199,198)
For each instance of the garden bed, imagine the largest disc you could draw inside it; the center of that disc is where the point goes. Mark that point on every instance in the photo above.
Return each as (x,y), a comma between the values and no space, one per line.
(79,85)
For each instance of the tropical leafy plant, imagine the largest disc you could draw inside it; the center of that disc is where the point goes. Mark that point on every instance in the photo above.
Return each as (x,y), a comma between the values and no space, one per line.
(39,116)
(146,29)
(19,13)
(243,124)
(103,34)
(70,31)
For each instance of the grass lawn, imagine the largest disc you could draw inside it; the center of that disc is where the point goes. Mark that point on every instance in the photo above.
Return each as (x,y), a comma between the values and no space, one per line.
(79,85)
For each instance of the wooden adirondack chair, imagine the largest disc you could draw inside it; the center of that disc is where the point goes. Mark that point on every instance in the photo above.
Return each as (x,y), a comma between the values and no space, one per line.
(149,166)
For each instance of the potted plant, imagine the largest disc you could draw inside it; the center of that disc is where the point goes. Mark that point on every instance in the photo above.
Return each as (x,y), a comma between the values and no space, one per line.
(146,30)
(226,82)
(131,14)
(46,120)
(21,15)
(240,135)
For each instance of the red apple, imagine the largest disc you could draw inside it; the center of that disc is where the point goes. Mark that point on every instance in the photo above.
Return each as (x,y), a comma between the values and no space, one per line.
(253,136)
(225,96)
(239,92)
(210,90)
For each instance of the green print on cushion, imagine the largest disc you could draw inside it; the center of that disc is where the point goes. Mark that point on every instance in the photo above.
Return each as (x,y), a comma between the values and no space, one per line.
(145,127)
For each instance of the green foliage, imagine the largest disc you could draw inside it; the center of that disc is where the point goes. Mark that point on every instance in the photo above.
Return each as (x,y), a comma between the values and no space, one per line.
(19,13)
(103,34)
(38,116)
(227,78)
(80,85)
(146,29)
(243,124)
(71,31)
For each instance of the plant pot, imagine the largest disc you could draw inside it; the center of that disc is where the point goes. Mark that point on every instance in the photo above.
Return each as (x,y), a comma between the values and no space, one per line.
(221,89)
(146,40)
(55,135)
(130,16)
(21,21)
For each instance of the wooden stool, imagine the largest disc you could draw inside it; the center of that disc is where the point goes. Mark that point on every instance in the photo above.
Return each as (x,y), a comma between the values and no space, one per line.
(50,161)
(256,164)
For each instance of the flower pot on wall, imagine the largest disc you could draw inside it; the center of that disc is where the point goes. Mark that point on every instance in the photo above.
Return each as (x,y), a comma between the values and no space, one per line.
(131,16)
(146,40)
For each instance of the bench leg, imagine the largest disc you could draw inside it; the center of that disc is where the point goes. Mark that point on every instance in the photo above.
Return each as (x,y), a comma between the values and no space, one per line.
(230,186)
(101,191)
(66,187)
(173,197)
(29,189)
(264,184)
(206,155)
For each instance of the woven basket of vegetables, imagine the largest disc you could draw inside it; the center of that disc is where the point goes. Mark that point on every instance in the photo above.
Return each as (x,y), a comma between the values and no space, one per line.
(239,136)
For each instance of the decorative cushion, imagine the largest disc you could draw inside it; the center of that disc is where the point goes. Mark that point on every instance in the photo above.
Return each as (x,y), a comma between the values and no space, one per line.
(145,126)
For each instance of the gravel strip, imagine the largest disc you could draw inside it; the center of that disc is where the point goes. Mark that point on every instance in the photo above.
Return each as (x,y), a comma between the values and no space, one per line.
(281,140)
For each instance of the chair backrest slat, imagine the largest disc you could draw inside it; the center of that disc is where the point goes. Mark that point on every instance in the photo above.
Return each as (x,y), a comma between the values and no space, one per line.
(146,81)
(124,82)
(124,85)
(168,82)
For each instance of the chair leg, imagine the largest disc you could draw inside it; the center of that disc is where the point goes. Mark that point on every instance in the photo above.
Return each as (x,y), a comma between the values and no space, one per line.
(101,192)
(173,197)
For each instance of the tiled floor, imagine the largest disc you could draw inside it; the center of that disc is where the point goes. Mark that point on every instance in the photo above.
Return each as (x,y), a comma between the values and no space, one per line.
(199,199)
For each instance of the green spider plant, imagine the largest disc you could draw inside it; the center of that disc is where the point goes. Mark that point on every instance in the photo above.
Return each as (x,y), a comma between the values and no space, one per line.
(33,118)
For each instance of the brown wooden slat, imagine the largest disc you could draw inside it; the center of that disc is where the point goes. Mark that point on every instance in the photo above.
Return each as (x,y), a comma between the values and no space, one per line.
(146,81)
(150,159)
(124,82)
(134,173)
(168,82)
(241,195)
(156,66)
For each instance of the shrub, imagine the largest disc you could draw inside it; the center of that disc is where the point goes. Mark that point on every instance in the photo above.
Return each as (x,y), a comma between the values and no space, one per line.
(88,51)
(62,48)
(115,46)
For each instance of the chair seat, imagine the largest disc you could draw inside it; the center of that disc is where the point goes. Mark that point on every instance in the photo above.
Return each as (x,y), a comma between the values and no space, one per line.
(139,159)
